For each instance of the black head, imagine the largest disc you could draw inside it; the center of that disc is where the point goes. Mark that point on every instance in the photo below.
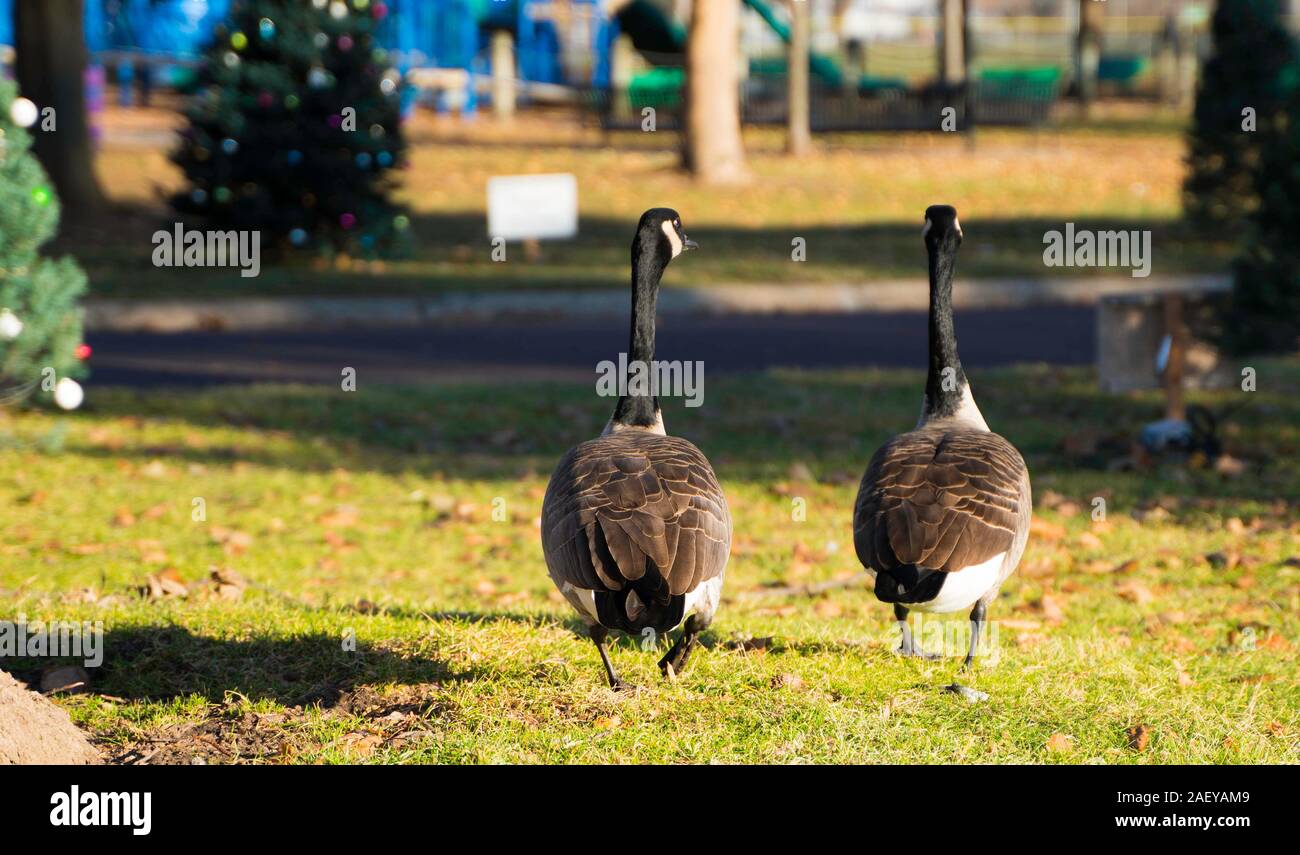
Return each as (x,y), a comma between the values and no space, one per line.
(941,227)
(660,231)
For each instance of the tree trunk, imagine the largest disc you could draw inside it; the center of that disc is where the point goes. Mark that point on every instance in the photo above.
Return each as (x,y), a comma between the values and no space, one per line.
(1088,50)
(50,64)
(798,113)
(714,151)
(952,46)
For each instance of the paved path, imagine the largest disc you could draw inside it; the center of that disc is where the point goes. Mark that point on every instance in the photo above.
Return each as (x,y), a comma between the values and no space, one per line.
(572,347)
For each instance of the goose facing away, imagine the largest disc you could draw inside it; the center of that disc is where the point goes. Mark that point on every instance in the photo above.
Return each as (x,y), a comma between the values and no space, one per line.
(942,514)
(635,528)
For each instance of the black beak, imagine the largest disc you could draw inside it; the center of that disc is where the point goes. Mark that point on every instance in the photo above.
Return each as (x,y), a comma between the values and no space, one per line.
(687,243)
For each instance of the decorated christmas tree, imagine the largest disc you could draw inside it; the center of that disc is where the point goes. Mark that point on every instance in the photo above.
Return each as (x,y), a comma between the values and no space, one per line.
(40,320)
(294,127)
(1239,99)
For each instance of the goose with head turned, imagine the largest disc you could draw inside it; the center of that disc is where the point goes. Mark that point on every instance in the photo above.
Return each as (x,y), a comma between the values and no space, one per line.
(635,528)
(942,514)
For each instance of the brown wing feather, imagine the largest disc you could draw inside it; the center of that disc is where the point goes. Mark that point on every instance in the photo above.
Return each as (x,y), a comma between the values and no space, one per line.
(656,503)
(940,499)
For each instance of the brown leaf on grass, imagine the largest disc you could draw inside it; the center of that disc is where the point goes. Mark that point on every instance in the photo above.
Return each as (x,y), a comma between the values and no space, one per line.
(1276,642)
(787,681)
(232,541)
(1051,607)
(361,744)
(154,469)
(68,679)
(1127,567)
(1041,529)
(1040,567)
(151,551)
(337,541)
(1059,743)
(1138,737)
(229,584)
(164,584)
(36,498)
(343,516)
(123,518)
(1088,540)
(825,608)
(154,512)
(1136,593)
(607,722)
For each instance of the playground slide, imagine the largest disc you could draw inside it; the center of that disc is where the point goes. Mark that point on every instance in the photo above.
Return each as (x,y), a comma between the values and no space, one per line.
(659,39)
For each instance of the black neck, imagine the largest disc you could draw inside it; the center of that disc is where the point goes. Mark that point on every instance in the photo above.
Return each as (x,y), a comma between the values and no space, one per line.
(642,410)
(943,392)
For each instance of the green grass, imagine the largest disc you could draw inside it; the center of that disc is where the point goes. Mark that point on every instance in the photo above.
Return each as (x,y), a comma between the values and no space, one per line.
(372,513)
(857,202)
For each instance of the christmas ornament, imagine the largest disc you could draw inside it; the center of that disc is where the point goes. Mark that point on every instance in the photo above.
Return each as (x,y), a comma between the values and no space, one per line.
(68,394)
(23,112)
(83,351)
(10,326)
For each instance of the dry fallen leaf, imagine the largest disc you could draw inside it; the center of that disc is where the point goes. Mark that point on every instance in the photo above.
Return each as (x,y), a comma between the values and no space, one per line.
(344,516)
(164,584)
(788,681)
(1059,743)
(1135,592)
(229,584)
(1041,529)
(1138,737)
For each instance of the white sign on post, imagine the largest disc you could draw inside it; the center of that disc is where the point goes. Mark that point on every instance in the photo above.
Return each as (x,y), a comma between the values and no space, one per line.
(524,207)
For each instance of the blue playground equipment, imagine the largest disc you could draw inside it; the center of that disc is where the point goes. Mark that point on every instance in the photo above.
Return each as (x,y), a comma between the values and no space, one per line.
(159,38)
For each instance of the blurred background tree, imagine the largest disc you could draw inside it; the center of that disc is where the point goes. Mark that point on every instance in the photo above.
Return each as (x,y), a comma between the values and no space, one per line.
(1263,312)
(50,65)
(293,128)
(1251,49)
(40,320)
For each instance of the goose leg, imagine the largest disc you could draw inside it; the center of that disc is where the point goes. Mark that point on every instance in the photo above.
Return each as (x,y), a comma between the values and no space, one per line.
(909,647)
(598,635)
(674,660)
(976,627)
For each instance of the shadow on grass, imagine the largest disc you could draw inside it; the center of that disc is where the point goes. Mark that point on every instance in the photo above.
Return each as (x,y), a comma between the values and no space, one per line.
(163,662)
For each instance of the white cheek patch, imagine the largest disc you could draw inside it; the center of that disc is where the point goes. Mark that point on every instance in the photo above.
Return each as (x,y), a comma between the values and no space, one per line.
(956,225)
(672,238)
(928,225)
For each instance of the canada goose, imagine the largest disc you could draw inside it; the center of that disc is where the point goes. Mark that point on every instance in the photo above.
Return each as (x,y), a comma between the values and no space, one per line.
(942,514)
(635,528)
